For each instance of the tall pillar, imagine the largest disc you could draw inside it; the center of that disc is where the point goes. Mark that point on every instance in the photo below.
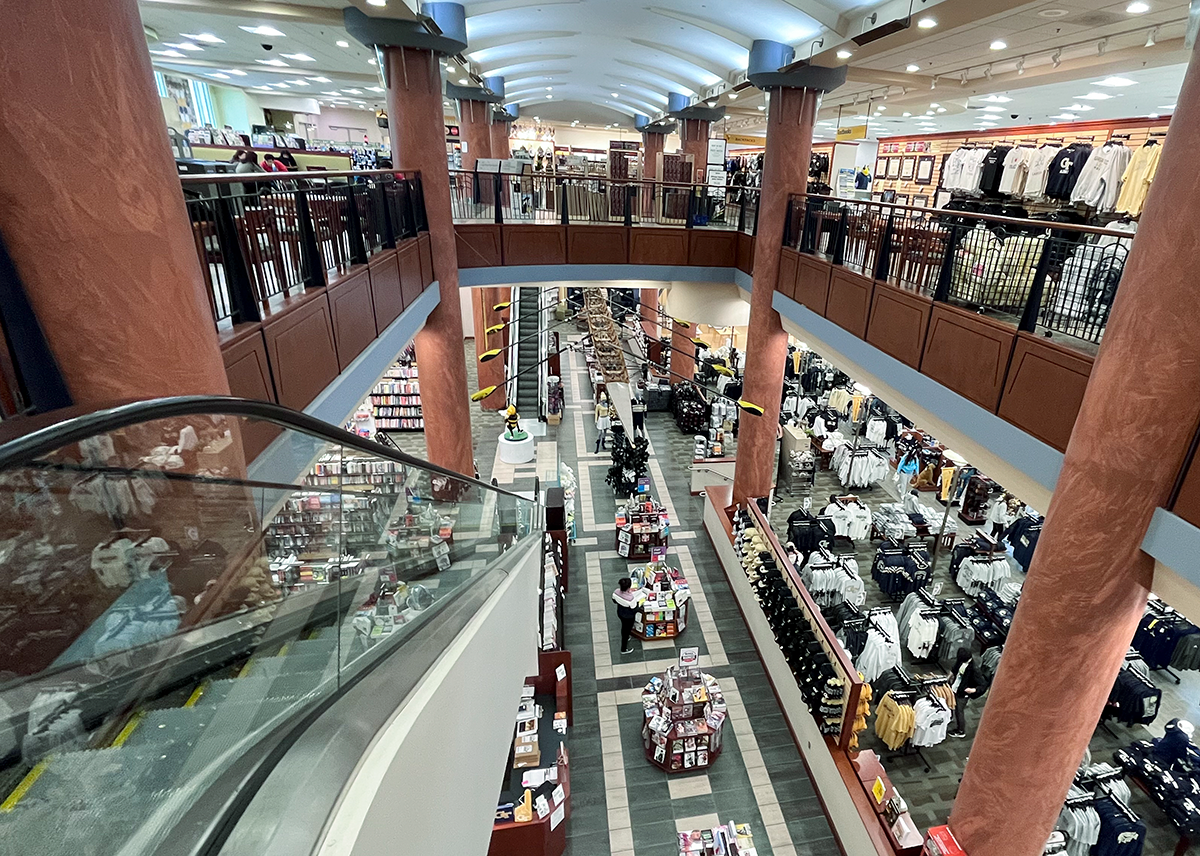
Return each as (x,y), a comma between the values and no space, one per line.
(414,100)
(795,97)
(1086,589)
(475,131)
(491,373)
(499,129)
(683,352)
(653,143)
(99,233)
(648,298)
(693,140)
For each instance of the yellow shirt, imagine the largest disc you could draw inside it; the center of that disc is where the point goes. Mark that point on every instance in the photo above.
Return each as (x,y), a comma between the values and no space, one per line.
(1135,184)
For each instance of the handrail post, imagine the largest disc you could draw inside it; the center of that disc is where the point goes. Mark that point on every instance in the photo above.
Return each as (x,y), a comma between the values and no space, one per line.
(564,215)
(498,199)
(628,190)
(358,247)
(757,202)
(1033,304)
(787,223)
(839,241)
(312,268)
(416,203)
(808,237)
(741,226)
(387,229)
(691,208)
(242,298)
(942,293)
(883,261)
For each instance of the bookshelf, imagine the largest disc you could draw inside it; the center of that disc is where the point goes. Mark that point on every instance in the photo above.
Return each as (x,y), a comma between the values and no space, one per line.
(396,399)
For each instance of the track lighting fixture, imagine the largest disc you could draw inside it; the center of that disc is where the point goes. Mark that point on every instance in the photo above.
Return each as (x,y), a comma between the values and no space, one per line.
(987,72)
(963,80)
(1056,58)
(933,83)
(1150,42)
(1021,66)
(1101,47)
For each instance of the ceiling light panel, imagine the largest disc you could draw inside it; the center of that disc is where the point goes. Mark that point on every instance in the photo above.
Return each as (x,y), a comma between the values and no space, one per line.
(264,31)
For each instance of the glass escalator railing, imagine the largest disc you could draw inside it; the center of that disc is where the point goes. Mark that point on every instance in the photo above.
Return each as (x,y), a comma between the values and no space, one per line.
(165,602)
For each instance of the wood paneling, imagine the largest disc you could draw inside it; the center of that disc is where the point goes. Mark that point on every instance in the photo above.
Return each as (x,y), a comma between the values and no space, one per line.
(655,246)
(302,350)
(478,246)
(789,264)
(898,323)
(1044,388)
(428,273)
(534,245)
(353,313)
(408,257)
(812,282)
(249,373)
(745,253)
(712,248)
(849,301)
(597,245)
(385,288)
(968,353)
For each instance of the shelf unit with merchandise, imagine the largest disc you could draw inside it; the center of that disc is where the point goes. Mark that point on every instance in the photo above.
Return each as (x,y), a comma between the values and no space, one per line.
(641,526)
(664,612)
(684,715)
(396,399)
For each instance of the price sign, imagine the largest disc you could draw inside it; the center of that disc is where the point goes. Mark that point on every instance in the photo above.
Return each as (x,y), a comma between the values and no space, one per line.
(560,672)
(878,790)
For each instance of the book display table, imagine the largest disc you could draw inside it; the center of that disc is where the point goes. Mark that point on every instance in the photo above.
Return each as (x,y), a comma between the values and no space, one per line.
(684,715)
(642,525)
(666,601)
(718,841)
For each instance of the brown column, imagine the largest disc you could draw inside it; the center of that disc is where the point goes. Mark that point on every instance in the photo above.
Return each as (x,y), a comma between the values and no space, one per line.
(1087,587)
(99,232)
(648,297)
(683,353)
(693,134)
(474,129)
(414,102)
(785,171)
(500,147)
(491,373)
(652,147)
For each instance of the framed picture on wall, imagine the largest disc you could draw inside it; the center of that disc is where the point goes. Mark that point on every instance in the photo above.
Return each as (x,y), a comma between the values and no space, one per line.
(902,199)
(881,167)
(908,167)
(893,168)
(925,169)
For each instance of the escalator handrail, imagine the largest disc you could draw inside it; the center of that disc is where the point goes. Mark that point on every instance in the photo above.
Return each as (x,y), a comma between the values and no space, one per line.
(41,435)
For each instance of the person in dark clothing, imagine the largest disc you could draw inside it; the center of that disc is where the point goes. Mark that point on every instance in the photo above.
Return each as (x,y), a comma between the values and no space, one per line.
(629,603)
(967,683)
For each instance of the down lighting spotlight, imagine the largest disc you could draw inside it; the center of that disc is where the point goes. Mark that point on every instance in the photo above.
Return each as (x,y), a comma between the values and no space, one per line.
(1020,66)
(987,72)
(933,84)
(1101,47)
(1150,42)
(963,80)
(1056,58)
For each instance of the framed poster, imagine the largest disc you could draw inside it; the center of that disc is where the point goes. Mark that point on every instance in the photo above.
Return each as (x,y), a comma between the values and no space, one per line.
(881,167)
(893,168)
(902,199)
(925,169)
(908,168)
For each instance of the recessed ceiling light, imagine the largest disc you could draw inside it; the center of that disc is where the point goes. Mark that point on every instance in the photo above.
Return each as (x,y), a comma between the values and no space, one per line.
(991,109)
(263,31)
(941,109)
(372,62)
(218,75)
(615,95)
(997,99)
(352,91)
(1152,116)
(907,115)
(332,92)
(548,95)
(732,96)
(207,38)
(998,45)
(278,63)
(236,72)
(1094,96)
(377,2)
(168,53)
(1054,13)
(300,57)
(462,81)
(934,106)
(1137,8)
(1168,107)
(450,68)
(184,46)
(845,54)
(762,107)
(298,82)
(928,112)
(1065,116)
(549,88)
(1080,107)
(320,80)
(911,67)
(342,43)
(927,23)
(1115,81)
(376,89)
(281,86)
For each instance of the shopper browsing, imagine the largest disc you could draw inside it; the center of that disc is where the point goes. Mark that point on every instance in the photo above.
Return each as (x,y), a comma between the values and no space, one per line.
(603,421)
(629,603)
(967,684)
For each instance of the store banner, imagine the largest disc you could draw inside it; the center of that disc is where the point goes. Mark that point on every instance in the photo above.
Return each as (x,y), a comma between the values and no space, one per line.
(745,140)
(851,132)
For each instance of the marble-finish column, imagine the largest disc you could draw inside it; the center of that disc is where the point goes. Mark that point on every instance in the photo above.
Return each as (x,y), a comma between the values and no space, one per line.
(785,171)
(652,146)
(1087,586)
(414,100)
(693,136)
(648,298)
(500,146)
(91,207)
(475,131)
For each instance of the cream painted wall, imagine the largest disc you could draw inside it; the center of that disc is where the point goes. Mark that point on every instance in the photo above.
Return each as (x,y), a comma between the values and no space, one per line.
(332,121)
(593,138)
(236,107)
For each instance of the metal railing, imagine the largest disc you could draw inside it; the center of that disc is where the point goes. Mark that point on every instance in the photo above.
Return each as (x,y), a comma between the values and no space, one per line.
(1058,279)
(263,237)
(565,199)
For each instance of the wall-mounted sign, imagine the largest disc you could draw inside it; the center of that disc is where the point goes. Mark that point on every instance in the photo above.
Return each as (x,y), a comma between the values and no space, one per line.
(851,132)
(745,140)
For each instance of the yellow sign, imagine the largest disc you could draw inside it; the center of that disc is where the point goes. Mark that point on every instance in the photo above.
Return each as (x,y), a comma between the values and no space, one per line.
(852,132)
(745,140)
(878,789)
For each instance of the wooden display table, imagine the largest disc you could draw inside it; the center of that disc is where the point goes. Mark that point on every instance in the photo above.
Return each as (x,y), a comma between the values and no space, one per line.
(903,834)
(685,713)
(665,611)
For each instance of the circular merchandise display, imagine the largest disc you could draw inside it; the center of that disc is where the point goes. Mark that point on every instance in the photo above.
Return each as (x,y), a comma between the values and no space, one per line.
(684,714)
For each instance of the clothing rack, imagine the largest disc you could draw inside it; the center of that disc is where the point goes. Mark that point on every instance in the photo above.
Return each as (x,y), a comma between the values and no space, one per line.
(1165,612)
(914,690)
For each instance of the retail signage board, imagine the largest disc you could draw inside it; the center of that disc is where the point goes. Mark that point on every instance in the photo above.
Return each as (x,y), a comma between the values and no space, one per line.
(716,151)
(486,165)
(560,672)
(851,132)
(878,790)
(658,554)
(556,816)
(689,658)
(560,795)
(745,140)
(643,485)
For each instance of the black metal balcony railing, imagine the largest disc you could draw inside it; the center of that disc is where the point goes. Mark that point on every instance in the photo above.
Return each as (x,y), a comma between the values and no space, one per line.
(560,199)
(266,236)
(1057,279)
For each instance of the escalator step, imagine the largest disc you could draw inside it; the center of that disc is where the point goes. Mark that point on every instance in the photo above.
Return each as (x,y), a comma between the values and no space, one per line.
(187,725)
(309,647)
(251,689)
(290,665)
(89,826)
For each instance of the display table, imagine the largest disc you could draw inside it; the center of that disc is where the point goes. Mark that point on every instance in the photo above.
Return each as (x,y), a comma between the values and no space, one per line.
(901,831)
(684,715)
(718,841)
(641,527)
(516,451)
(664,613)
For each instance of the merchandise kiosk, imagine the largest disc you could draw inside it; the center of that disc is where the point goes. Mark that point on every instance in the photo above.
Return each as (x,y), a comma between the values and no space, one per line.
(664,613)
(685,712)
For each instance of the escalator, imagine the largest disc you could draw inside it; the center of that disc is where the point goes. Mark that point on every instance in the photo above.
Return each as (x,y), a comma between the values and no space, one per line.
(528,326)
(175,616)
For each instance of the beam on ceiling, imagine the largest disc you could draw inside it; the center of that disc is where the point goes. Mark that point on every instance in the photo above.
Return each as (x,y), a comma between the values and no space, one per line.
(739,39)
(480,45)
(187,63)
(691,59)
(823,14)
(673,81)
(518,68)
(490,6)
(299,13)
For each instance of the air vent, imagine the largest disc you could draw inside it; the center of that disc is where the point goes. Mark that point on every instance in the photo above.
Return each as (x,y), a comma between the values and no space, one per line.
(1098,19)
